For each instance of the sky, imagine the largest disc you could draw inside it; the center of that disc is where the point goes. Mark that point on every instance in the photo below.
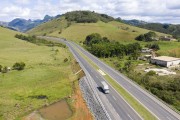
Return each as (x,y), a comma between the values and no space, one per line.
(163,11)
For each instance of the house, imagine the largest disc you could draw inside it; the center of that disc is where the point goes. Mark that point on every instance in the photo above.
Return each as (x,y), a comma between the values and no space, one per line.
(165,61)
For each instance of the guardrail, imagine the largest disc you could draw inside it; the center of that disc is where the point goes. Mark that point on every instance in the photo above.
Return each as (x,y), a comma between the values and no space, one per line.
(90,81)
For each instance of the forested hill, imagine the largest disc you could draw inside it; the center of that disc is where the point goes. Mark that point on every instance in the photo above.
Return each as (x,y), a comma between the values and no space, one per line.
(164,28)
(87,17)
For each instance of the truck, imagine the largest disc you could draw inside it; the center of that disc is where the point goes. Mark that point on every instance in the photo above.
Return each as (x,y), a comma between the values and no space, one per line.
(104,86)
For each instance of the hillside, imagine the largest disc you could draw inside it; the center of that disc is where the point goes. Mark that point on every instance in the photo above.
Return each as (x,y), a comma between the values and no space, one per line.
(113,29)
(73,28)
(47,78)
(164,28)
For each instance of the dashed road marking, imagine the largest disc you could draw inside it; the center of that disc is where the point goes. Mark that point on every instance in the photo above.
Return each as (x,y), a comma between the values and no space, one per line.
(168,118)
(114,97)
(130,117)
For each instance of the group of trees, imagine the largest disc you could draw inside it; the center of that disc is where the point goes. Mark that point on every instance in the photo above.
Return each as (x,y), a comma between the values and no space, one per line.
(16,66)
(103,47)
(87,17)
(19,66)
(3,69)
(153,46)
(38,41)
(148,37)
(165,87)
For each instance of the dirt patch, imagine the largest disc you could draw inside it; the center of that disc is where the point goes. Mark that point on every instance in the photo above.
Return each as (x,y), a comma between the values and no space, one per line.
(56,111)
(81,110)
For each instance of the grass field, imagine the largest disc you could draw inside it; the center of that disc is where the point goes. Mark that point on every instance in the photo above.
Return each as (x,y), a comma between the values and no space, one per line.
(45,79)
(113,30)
(168,48)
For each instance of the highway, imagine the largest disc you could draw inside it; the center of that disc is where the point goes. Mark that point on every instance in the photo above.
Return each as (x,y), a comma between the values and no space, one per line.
(156,107)
(124,111)
(116,106)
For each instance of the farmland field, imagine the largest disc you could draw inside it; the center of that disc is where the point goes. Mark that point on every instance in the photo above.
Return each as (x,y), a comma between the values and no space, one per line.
(45,79)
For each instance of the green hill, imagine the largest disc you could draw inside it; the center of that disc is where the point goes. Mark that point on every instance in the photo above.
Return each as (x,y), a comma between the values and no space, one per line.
(77,25)
(71,29)
(164,28)
(45,74)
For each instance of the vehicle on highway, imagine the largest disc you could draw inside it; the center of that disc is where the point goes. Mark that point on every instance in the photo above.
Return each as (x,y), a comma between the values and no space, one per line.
(104,87)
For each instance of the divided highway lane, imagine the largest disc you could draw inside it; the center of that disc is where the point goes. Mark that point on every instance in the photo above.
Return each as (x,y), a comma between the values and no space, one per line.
(123,110)
(115,105)
(156,107)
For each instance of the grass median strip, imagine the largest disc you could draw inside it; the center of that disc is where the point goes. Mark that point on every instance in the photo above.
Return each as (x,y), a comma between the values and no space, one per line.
(142,111)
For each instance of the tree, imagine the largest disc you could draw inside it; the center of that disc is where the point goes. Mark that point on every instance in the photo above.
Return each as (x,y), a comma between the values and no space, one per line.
(19,66)
(135,55)
(150,36)
(140,38)
(1,68)
(153,46)
(127,66)
(65,60)
(93,38)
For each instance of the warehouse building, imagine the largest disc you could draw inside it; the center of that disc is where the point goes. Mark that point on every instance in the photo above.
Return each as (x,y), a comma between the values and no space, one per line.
(165,61)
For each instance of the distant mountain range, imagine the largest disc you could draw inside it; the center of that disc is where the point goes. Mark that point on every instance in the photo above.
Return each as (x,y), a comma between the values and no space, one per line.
(160,27)
(24,25)
(135,22)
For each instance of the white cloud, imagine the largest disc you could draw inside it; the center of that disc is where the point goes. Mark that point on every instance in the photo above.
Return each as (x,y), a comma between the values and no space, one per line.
(22,2)
(14,11)
(149,10)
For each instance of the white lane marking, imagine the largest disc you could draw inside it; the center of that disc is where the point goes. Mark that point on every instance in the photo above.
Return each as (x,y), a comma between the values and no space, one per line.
(100,71)
(114,97)
(130,117)
(168,118)
(118,116)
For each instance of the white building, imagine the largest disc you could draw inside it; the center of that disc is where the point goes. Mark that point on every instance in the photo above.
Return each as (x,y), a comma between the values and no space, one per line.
(165,61)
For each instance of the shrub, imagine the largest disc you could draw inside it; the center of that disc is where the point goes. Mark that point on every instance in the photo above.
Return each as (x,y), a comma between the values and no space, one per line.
(65,60)
(19,66)
(151,73)
(5,69)
(1,68)
(153,46)
(150,36)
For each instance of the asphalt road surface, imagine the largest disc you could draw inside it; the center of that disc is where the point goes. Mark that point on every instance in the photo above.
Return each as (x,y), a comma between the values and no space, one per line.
(124,111)
(117,108)
(156,107)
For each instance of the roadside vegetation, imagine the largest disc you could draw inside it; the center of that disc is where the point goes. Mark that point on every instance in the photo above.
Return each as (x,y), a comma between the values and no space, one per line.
(103,47)
(47,78)
(124,59)
(38,41)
